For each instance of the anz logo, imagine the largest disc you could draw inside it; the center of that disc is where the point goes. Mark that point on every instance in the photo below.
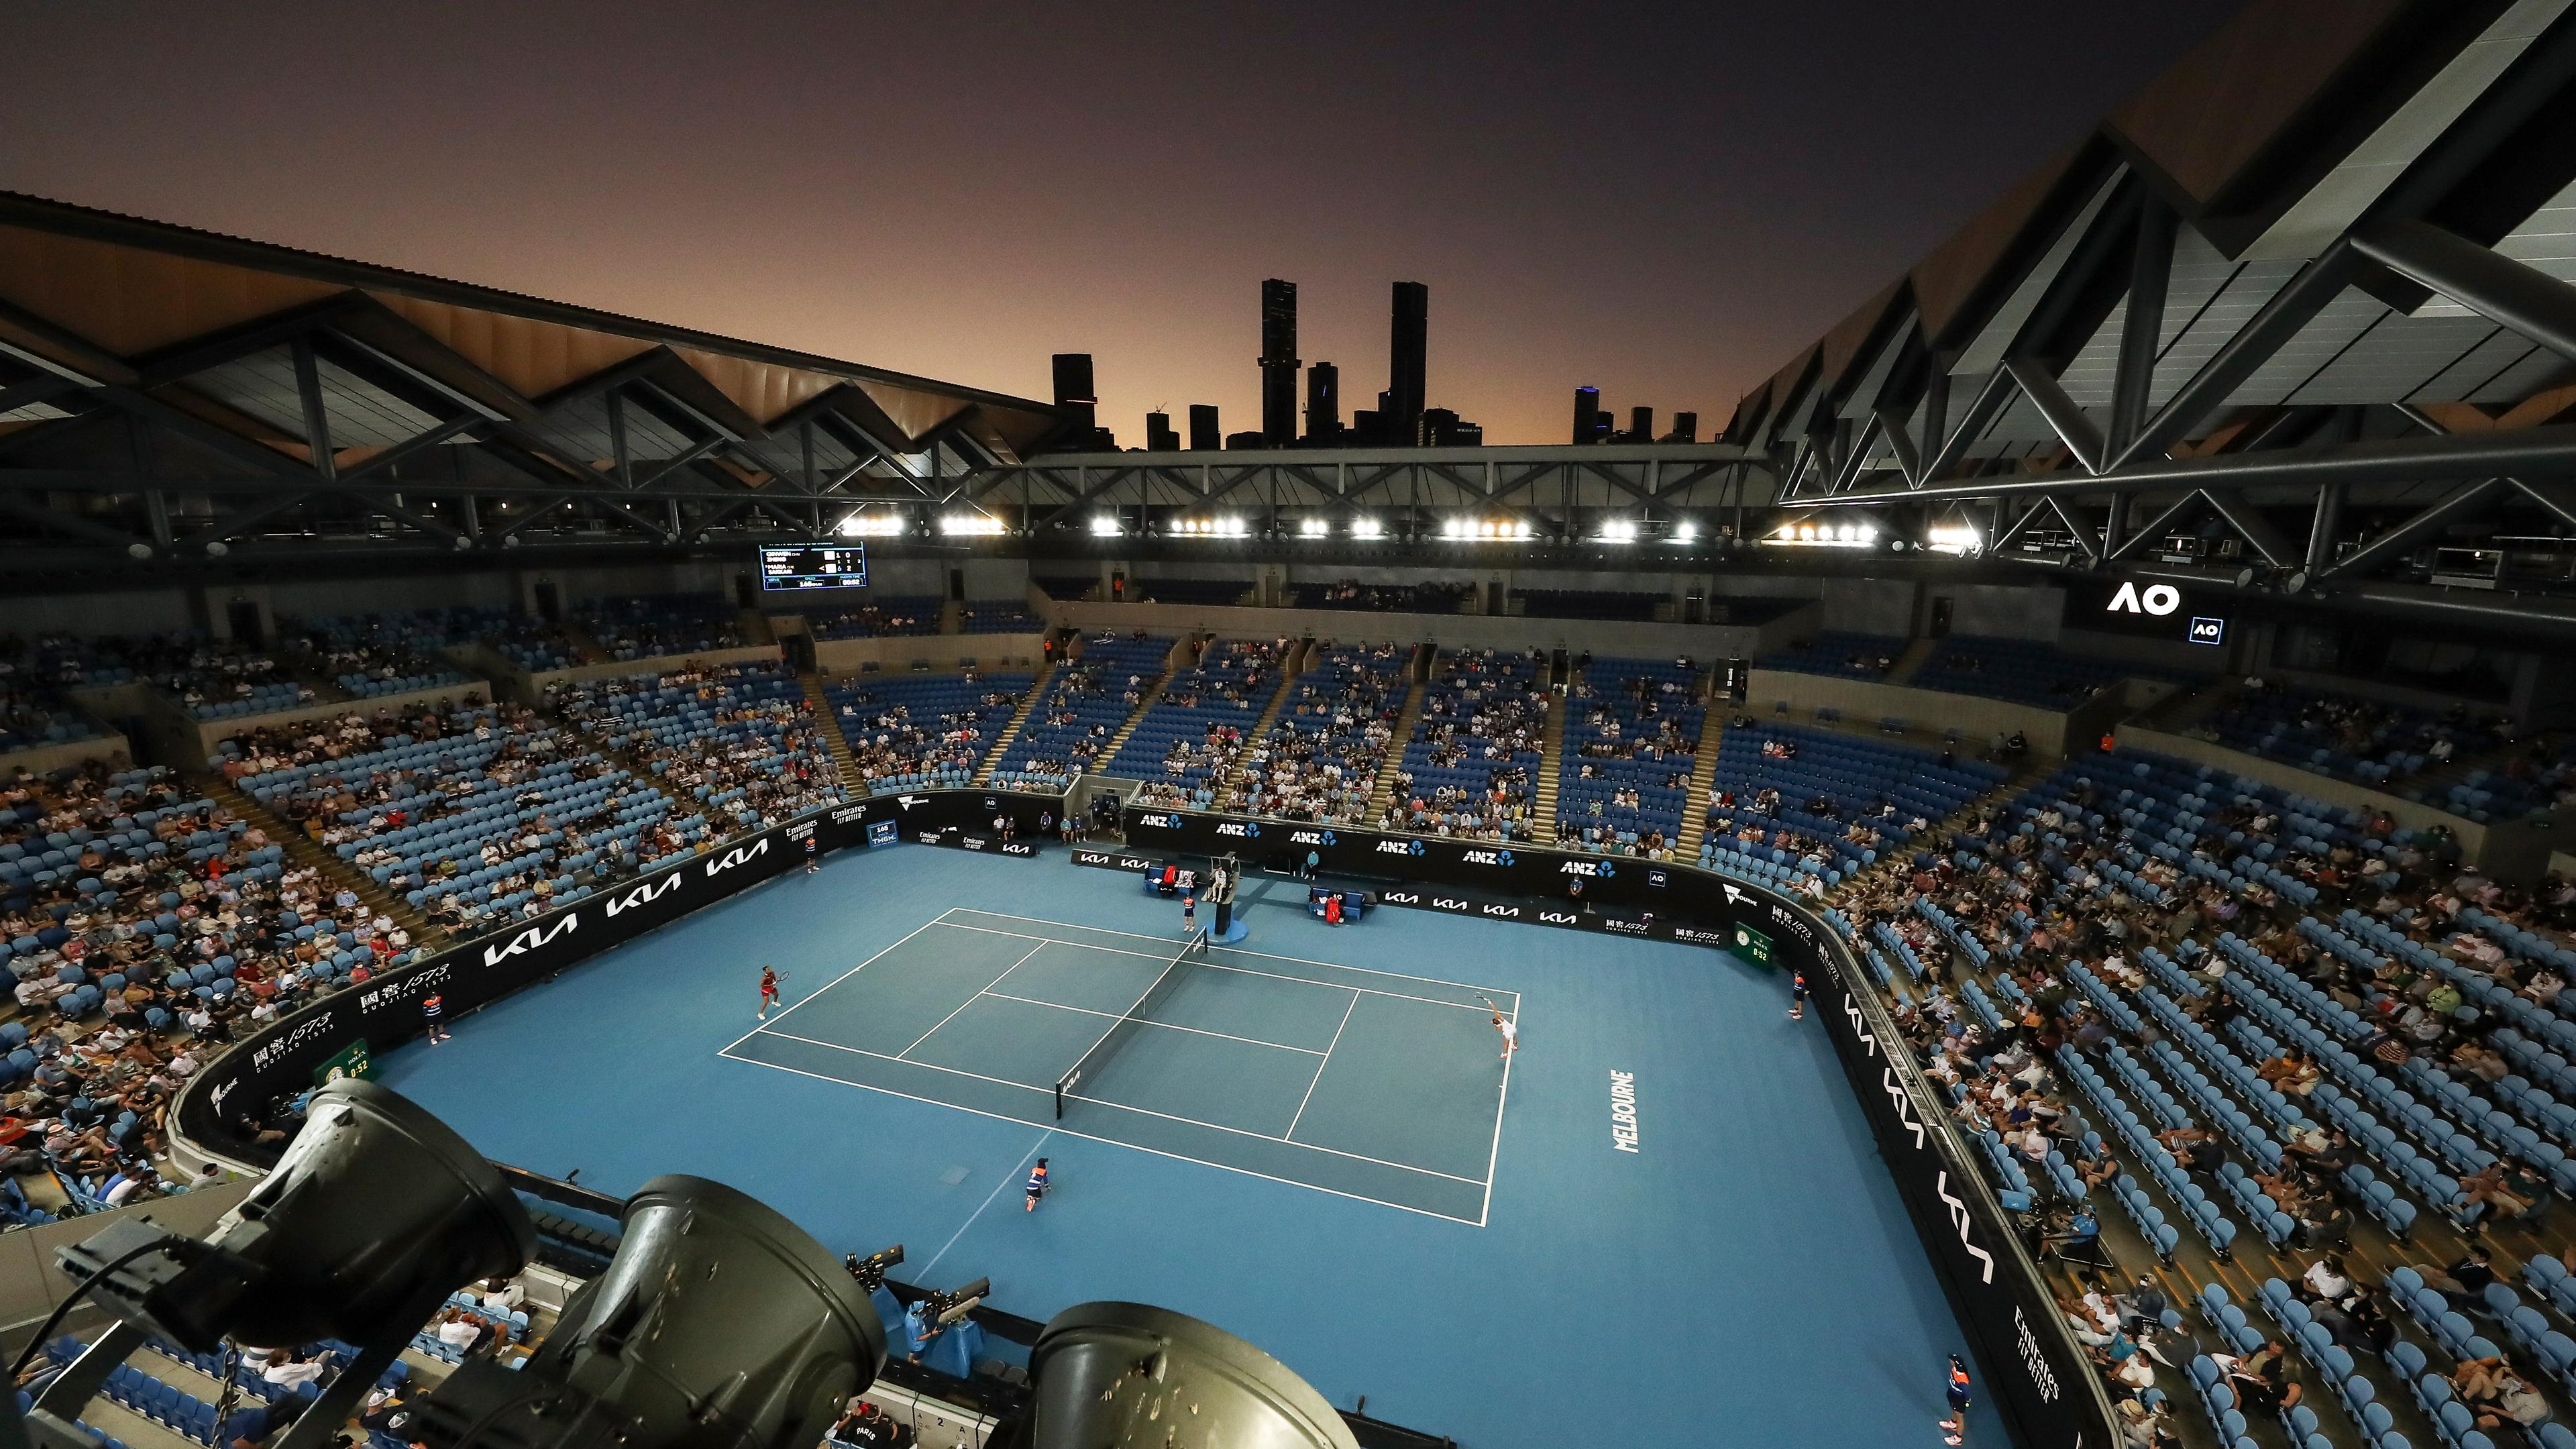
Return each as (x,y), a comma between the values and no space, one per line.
(737,856)
(1486,857)
(1158,822)
(644,894)
(1310,837)
(1399,847)
(1600,869)
(1246,829)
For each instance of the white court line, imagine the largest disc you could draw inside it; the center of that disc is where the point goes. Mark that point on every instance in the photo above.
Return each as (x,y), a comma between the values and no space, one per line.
(1242,970)
(1123,1107)
(987,1202)
(1165,1025)
(1235,950)
(837,980)
(969,1001)
(1495,1157)
(1326,1062)
(1108,1141)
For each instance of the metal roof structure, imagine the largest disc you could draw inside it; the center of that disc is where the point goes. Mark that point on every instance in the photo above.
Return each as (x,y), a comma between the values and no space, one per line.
(2309,292)
(170,394)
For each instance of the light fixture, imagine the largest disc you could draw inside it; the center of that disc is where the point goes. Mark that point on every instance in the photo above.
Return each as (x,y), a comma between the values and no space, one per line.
(1619,530)
(717,1323)
(969,525)
(375,1213)
(1954,538)
(872,525)
(1685,532)
(1106,1373)
(1314,528)
(1104,525)
(1367,528)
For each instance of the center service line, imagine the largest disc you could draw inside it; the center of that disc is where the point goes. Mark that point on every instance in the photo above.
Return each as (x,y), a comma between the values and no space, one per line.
(1007,1179)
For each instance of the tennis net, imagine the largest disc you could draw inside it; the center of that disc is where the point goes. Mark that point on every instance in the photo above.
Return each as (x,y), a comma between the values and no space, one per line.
(1128,1024)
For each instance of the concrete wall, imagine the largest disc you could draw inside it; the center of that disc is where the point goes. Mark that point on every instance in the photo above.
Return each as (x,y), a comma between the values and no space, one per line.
(112,750)
(1869,606)
(944,652)
(650,664)
(180,738)
(2002,611)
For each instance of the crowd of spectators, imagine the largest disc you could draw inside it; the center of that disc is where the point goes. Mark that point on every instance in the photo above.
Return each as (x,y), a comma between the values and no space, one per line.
(2349,735)
(740,738)
(1186,746)
(908,732)
(143,928)
(998,617)
(1086,702)
(1321,757)
(385,653)
(1471,768)
(1632,734)
(1429,596)
(651,624)
(33,710)
(877,618)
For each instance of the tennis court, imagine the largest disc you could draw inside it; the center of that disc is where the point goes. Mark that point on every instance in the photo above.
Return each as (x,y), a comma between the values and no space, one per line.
(1366,1084)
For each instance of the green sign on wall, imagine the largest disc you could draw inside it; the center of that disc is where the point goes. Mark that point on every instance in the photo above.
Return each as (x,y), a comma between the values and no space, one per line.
(1753,945)
(350,1061)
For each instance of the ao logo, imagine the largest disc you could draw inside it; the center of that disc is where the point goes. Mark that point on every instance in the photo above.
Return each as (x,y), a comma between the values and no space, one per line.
(2159,600)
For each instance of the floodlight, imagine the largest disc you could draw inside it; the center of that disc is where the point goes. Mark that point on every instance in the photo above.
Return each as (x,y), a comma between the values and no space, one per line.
(1129,1374)
(376,1212)
(719,1324)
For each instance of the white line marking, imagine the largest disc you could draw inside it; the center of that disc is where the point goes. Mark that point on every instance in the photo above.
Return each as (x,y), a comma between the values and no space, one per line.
(1049,1092)
(1495,1157)
(1246,970)
(1236,950)
(1326,1062)
(1007,1179)
(837,980)
(1110,1141)
(969,1001)
(1165,1025)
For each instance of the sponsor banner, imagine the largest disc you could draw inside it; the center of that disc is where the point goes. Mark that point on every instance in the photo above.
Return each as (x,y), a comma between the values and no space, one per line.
(1114,860)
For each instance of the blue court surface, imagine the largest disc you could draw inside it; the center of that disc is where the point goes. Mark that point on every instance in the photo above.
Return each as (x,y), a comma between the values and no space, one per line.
(1309,1139)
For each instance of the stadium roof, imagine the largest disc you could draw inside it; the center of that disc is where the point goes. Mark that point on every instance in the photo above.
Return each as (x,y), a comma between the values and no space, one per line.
(2348,228)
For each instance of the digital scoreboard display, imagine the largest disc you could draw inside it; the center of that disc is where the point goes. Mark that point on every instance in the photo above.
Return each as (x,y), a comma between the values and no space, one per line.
(814,566)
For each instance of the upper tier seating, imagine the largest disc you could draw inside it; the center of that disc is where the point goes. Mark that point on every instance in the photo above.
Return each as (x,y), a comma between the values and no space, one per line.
(1473,762)
(1587,604)
(1428,597)
(1806,807)
(2023,671)
(1843,656)
(2343,735)
(1188,591)
(998,616)
(388,653)
(641,627)
(33,710)
(741,738)
(1321,757)
(916,731)
(880,617)
(1086,702)
(1186,745)
(1631,730)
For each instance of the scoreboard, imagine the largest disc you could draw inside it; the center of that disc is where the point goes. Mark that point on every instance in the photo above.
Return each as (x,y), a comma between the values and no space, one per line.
(814,566)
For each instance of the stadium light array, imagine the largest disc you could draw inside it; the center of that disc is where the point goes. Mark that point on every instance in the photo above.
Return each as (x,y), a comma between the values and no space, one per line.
(1619,530)
(1367,528)
(1954,538)
(1685,532)
(1228,526)
(1846,534)
(1314,528)
(970,525)
(1470,530)
(1104,525)
(872,525)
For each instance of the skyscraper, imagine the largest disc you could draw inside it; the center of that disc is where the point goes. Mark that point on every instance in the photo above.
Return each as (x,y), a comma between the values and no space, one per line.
(1407,365)
(1685,428)
(1205,435)
(1279,362)
(1641,425)
(1323,404)
(1159,437)
(1075,395)
(1587,413)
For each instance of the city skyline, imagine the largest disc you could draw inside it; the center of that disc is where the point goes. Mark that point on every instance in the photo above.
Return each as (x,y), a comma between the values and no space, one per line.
(1663,205)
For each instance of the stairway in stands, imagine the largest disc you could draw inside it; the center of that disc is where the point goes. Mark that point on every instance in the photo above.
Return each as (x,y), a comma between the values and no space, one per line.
(1551,746)
(1382,793)
(1019,717)
(1301,653)
(1145,702)
(844,762)
(1712,730)
(304,850)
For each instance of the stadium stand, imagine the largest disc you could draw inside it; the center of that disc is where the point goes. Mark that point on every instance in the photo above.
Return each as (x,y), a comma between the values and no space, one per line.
(1587,604)
(1065,587)
(388,653)
(33,710)
(1321,756)
(2345,735)
(1429,597)
(1087,702)
(1472,765)
(990,617)
(739,738)
(1840,655)
(1186,746)
(1188,591)
(878,618)
(908,732)
(2022,671)
(1804,808)
(636,628)
(1632,727)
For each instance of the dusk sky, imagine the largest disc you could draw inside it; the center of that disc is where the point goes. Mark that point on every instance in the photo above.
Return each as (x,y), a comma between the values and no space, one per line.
(1663,201)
